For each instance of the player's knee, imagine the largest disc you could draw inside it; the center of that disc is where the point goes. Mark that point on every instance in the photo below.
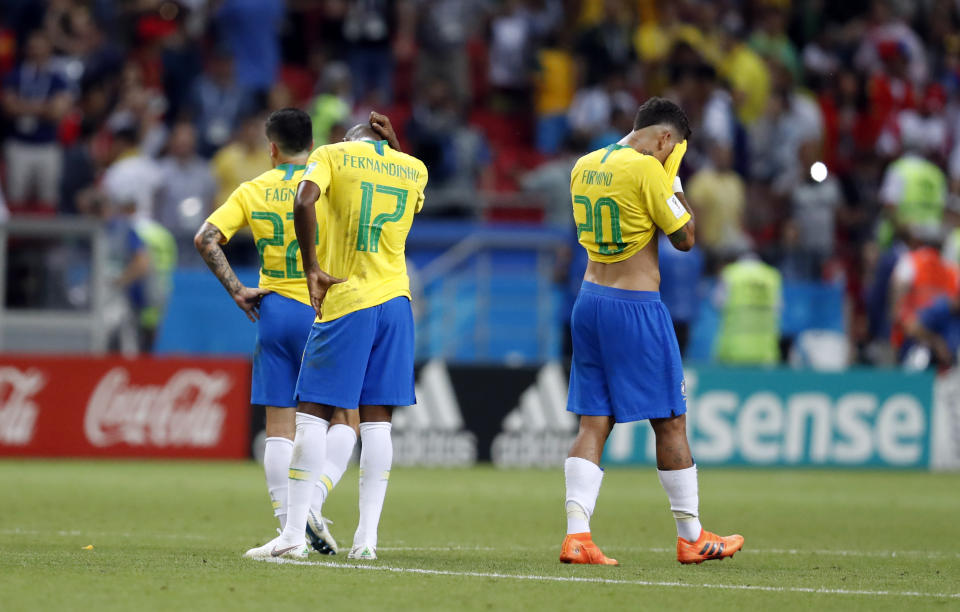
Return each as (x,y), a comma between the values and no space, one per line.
(597,427)
(350,418)
(370,414)
(281,422)
(321,411)
(670,426)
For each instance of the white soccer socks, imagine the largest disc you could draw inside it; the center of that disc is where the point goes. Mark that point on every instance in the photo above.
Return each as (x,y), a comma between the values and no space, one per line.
(681,488)
(340,442)
(276,463)
(376,457)
(583,485)
(309,455)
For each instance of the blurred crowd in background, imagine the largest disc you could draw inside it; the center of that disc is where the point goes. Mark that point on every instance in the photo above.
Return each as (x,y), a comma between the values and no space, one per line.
(825,147)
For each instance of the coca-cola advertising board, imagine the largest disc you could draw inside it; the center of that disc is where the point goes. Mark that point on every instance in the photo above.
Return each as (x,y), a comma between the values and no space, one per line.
(116,407)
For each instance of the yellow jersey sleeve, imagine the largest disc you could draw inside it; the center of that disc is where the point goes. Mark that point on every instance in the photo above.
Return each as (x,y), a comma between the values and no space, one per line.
(672,165)
(231,215)
(421,187)
(656,192)
(319,169)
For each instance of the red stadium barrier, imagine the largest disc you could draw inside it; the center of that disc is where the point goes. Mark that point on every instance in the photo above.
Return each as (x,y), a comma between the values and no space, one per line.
(115,407)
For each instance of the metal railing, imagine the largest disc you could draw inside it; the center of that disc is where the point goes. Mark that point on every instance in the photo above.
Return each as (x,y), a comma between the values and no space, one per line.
(32,329)
(450,269)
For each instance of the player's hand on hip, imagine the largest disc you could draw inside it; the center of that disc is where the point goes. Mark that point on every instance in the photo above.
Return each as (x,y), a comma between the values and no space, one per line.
(248,299)
(318,282)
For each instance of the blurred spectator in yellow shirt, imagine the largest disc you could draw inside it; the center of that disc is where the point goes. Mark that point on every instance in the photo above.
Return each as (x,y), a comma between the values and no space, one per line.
(555,87)
(747,73)
(654,40)
(242,159)
(718,195)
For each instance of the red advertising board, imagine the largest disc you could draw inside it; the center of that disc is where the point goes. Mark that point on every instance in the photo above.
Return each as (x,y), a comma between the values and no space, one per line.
(117,407)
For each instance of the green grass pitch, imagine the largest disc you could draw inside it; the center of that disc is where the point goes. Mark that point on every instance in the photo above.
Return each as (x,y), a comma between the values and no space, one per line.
(170,535)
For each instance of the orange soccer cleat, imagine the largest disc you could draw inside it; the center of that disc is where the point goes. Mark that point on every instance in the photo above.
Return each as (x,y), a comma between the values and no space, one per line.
(708,546)
(579,548)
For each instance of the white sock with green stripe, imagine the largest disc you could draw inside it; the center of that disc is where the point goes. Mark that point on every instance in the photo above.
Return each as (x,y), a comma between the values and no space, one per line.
(309,455)
(276,464)
(376,458)
(681,488)
(340,442)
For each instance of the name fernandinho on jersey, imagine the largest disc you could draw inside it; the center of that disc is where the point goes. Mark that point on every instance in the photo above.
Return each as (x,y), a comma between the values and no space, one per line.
(596,177)
(375,165)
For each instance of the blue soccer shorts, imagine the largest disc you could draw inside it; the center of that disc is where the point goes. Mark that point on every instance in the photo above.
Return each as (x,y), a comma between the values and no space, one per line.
(626,362)
(281,335)
(364,358)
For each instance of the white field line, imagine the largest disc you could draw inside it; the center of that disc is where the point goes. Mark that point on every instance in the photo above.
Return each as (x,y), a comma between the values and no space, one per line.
(891,554)
(649,583)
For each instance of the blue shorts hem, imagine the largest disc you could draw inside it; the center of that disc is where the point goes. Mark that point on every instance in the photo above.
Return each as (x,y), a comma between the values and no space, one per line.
(273,402)
(406,401)
(326,400)
(629,417)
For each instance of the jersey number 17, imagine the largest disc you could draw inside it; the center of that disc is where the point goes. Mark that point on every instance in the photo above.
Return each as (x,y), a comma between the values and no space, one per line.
(368,235)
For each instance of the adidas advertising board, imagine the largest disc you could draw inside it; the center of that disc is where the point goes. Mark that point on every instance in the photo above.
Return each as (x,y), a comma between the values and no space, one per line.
(432,431)
(538,431)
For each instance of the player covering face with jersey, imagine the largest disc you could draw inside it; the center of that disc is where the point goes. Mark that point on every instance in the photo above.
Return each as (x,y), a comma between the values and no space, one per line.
(626,361)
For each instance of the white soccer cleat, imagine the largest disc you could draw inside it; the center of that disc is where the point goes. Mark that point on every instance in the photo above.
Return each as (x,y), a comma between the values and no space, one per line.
(318,534)
(363,552)
(276,549)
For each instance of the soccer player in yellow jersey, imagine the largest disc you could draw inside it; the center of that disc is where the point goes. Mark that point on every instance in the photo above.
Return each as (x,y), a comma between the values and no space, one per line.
(359,355)
(281,308)
(626,362)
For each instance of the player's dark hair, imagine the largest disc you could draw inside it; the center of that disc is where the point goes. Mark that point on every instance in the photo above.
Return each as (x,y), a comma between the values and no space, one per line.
(291,130)
(658,110)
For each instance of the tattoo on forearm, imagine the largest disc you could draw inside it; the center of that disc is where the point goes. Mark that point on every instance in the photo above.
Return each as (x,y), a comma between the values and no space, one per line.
(678,237)
(217,261)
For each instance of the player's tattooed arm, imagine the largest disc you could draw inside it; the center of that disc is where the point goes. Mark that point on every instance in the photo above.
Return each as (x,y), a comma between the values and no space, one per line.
(305,226)
(683,239)
(207,240)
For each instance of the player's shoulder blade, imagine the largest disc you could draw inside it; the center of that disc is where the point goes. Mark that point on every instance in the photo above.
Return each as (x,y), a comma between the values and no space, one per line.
(271,176)
(377,159)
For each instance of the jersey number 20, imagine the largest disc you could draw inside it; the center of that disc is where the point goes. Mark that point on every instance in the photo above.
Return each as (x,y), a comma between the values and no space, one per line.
(593,222)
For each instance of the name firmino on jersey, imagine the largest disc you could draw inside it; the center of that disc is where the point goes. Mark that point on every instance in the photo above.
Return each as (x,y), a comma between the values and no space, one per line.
(595,177)
(375,165)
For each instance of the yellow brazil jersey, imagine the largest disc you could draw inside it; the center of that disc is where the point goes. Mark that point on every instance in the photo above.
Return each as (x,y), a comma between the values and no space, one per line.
(266,205)
(372,194)
(620,198)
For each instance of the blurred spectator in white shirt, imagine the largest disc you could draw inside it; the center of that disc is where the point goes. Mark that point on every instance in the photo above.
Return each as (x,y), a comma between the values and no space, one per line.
(132,176)
(592,109)
(187,187)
